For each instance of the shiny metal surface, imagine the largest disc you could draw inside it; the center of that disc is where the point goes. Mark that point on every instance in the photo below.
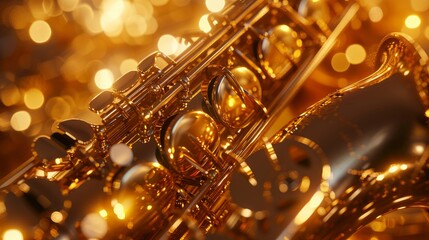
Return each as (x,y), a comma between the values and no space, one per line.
(186,143)
(375,157)
(280,51)
(196,143)
(229,103)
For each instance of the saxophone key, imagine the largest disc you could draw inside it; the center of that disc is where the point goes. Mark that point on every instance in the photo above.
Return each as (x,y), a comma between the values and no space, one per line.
(141,197)
(126,81)
(47,149)
(100,102)
(227,97)
(78,130)
(280,51)
(63,139)
(189,143)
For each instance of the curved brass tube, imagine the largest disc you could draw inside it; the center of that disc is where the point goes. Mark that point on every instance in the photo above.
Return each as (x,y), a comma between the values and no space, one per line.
(375,137)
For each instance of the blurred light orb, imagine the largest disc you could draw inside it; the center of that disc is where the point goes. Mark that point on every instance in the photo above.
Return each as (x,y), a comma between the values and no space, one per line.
(119,211)
(168,44)
(339,62)
(113,8)
(412,21)
(152,25)
(112,26)
(94,226)
(103,213)
(204,23)
(121,154)
(40,31)
(34,98)
(57,217)
(12,234)
(419,5)
(83,13)
(92,23)
(20,121)
(127,65)
(68,5)
(215,5)
(136,26)
(375,14)
(58,108)
(104,79)
(355,54)
(19,17)
(10,95)
(159,2)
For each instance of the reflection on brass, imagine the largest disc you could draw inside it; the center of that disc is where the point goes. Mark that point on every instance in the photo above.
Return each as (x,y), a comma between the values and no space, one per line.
(280,51)
(229,103)
(189,141)
(192,142)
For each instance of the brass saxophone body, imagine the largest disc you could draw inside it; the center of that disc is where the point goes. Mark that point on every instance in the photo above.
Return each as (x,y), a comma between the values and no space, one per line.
(375,143)
(186,149)
(362,153)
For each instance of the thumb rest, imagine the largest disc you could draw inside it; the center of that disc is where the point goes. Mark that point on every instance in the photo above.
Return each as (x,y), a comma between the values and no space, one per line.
(184,150)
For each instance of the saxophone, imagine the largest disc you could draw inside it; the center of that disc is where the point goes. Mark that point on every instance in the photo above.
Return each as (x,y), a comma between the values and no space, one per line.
(194,147)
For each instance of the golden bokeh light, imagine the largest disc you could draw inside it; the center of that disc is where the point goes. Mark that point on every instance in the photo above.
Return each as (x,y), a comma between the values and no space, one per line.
(40,31)
(113,8)
(378,226)
(103,213)
(204,23)
(159,2)
(168,44)
(111,20)
(19,17)
(339,62)
(58,108)
(104,78)
(119,211)
(93,226)
(111,26)
(87,17)
(152,26)
(12,234)
(57,217)
(34,98)
(412,21)
(375,14)
(355,54)
(10,95)
(215,5)
(20,121)
(68,5)
(136,26)
(420,5)
(127,65)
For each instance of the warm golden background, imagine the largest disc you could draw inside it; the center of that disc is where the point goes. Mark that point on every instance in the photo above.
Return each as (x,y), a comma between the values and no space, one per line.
(55,55)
